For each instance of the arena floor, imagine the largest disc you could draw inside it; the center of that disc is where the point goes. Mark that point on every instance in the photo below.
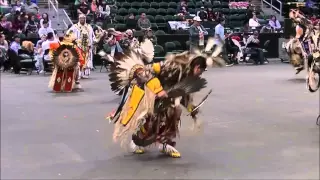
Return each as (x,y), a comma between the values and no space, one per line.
(259,123)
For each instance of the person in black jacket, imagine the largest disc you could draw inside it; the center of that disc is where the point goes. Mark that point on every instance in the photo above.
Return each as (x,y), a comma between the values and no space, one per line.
(131,23)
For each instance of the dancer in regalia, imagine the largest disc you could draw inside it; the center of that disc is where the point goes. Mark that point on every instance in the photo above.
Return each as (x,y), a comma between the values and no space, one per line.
(150,109)
(66,61)
(300,47)
(85,37)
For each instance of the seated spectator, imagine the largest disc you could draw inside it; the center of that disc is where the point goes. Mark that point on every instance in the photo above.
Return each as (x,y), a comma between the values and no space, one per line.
(94,6)
(102,12)
(131,22)
(15,45)
(45,17)
(17,24)
(129,35)
(4,46)
(3,3)
(113,41)
(149,35)
(31,26)
(274,23)
(143,22)
(45,29)
(83,8)
(17,7)
(30,7)
(183,11)
(6,25)
(253,22)
(3,51)
(3,42)
(104,9)
(202,14)
(253,43)
(182,4)
(210,14)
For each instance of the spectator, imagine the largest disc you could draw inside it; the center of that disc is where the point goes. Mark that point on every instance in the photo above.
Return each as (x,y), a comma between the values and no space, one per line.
(83,8)
(253,22)
(104,9)
(94,6)
(210,14)
(220,40)
(149,35)
(39,51)
(17,7)
(18,24)
(113,38)
(143,22)
(131,22)
(183,11)
(274,23)
(30,7)
(182,4)
(31,26)
(3,50)
(6,25)
(15,45)
(45,17)
(196,34)
(45,50)
(217,16)
(253,43)
(45,29)
(129,35)
(102,12)
(4,43)
(202,14)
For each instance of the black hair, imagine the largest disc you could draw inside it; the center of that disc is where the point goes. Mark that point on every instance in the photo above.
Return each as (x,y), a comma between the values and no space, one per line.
(220,20)
(201,61)
(45,22)
(50,35)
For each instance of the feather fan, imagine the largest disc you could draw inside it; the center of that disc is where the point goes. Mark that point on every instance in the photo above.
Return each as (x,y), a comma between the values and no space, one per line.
(189,85)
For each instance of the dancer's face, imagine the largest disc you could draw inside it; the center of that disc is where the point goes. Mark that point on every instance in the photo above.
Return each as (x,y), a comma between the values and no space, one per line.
(197,71)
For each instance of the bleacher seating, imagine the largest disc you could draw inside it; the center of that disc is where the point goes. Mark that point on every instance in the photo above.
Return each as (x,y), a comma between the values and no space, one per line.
(159,12)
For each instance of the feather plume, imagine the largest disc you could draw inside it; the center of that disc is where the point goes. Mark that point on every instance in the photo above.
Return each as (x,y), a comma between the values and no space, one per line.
(210,44)
(147,50)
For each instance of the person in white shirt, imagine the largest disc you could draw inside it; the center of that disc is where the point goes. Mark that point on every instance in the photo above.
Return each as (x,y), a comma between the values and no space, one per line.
(253,22)
(43,31)
(45,17)
(45,46)
(220,39)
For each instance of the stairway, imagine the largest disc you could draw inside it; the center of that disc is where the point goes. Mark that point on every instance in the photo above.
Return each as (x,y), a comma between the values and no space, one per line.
(56,18)
(42,4)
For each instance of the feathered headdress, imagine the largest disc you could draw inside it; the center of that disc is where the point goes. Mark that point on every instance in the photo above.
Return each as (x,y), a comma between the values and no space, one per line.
(123,69)
(69,36)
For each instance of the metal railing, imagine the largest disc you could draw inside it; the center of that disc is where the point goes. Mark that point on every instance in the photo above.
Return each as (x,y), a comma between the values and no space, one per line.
(68,18)
(55,6)
(274,4)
